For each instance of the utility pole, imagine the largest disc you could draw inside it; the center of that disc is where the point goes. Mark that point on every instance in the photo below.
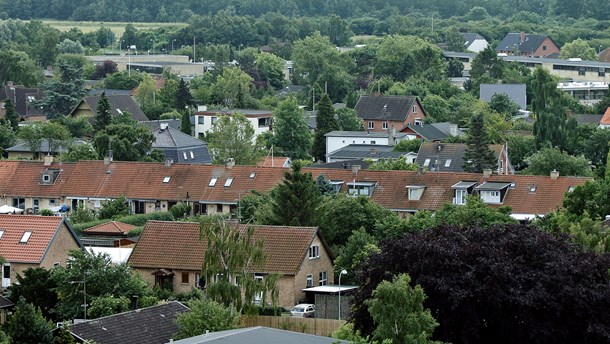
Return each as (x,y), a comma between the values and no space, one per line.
(194,59)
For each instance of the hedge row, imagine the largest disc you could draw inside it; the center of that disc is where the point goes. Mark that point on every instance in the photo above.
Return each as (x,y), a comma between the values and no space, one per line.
(136,220)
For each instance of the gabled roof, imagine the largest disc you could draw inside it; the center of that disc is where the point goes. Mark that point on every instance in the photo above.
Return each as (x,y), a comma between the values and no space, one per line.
(513,41)
(43,231)
(112,227)
(22,97)
(584,119)
(259,334)
(276,161)
(5,303)
(391,108)
(470,37)
(428,132)
(178,146)
(118,103)
(447,157)
(176,245)
(606,118)
(151,325)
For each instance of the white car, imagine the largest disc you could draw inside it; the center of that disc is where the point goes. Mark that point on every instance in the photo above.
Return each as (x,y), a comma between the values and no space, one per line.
(303,310)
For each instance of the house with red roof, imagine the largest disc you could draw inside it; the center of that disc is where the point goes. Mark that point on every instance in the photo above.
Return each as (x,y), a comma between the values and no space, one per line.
(382,113)
(30,241)
(604,123)
(112,233)
(172,253)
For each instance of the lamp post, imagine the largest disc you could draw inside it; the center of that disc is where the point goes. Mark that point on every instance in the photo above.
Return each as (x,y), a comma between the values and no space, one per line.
(343,272)
(153,45)
(173,40)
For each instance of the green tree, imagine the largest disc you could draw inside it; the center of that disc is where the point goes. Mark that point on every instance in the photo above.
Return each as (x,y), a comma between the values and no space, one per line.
(578,48)
(407,146)
(103,117)
(129,141)
(399,314)
(79,152)
(270,69)
(78,126)
(107,305)
(437,108)
(348,120)
(123,80)
(60,95)
(291,135)
(64,336)
(503,105)
(56,135)
(454,40)
(102,278)
(184,99)
(325,123)
(68,46)
(356,250)
(115,208)
(32,135)
(232,85)
(17,67)
(583,230)
(552,159)
(294,202)
(205,315)
(8,137)
(28,326)
(10,115)
(37,288)
(185,122)
(487,63)
(455,68)
(478,156)
(474,213)
(233,253)
(147,92)
(392,164)
(232,136)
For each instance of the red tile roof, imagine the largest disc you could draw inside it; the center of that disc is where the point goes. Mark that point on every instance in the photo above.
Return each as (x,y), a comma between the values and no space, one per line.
(278,161)
(112,227)
(176,245)
(43,228)
(606,118)
(145,181)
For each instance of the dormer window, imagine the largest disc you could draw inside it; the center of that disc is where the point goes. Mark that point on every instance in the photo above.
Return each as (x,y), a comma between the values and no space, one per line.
(361,188)
(49,176)
(26,236)
(415,192)
(46,178)
(493,192)
(336,184)
(461,190)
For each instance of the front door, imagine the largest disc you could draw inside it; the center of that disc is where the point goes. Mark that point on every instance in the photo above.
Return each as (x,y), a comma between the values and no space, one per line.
(6,275)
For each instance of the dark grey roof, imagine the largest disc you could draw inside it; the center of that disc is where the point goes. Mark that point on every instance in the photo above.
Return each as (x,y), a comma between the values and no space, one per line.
(428,132)
(535,61)
(516,93)
(118,103)
(109,92)
(44,147)
(21,96)
(470,37)
(178,146)
(588,119)
(357,151)
(448,128)
(151,325)
(5,303)
(393,108)
(445,157)
(258,334)
(512,41)
(173,123)
(343,165)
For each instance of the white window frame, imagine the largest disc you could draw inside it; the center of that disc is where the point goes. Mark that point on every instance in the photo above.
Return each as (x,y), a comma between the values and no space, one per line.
(460,196)
(323,278)
(166,179)
(213,182)
(309,281)
(26,237)
(228,182)
(384,125)
(371,125)
(314,251)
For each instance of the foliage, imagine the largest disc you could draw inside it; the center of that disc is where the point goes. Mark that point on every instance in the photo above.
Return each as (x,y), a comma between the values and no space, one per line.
(61,94)
(234,254)
(107,305)
(11,117)
(232,136)
(255,208)
(578,48)
(147,90)
(123,80)
(325,123)
(46,212)
(592,198)
(8,137)
(232,87)
(474,213)
(291,135)
(79,152)
(407,146)
(401,57)
(32,135)
(585,231)
(478,156)
(129,141)
(37,288)
(28,326)
(185,122)
(18,67)
(183,96)
(519,148)
(455,68)
(82,215)
(454,40)
(338,217)
(63,335)
(356,250)
(104,69)
(78,126)
(114,208)
(348,120)
(392,164)
(552,159)
(485,282)
(324,186)
(503,105)
(294,202)
(487,65)
(68,46)
(180,210)
(103,116)
(102,278)
(270,70)
(398,311)
(205,315)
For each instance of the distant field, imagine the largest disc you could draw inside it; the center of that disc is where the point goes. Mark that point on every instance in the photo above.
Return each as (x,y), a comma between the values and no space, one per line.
(116,27)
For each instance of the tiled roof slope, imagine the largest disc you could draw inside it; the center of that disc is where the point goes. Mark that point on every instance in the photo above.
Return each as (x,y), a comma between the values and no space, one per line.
(145,181)
(453,151)
(512,40)
(151,325)
(176,245)
(606,118)
(392,108)
(43,230)
(112,227)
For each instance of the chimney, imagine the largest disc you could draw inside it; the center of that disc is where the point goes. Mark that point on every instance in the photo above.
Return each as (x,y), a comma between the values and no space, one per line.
(355,169)
(134,302)
(168,162)
(420,170)
(48,160)
(486,173)
(230,163)
(554,174)
(107,160)
(162,126)
(521,37)
(391,138)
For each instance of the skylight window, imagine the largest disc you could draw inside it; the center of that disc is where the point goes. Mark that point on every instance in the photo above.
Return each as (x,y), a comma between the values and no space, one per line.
(167,179)
(1,234)
(426,162)
(533,188)
(26,236)
(252,175)
(213,181)
(192,155)
(184,155)
(229,182)
(448,163)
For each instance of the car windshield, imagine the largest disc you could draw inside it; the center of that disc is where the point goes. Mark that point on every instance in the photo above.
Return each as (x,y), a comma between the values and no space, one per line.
(298,309)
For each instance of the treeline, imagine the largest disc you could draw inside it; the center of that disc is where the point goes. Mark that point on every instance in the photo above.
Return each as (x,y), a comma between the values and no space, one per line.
(181,10)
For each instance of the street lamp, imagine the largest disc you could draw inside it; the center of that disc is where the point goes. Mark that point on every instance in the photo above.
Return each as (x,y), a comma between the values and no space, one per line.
(173,40)
(153,45)
(343,272)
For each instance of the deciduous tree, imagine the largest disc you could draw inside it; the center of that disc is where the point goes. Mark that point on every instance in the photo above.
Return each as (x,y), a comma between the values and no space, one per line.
(291,135)
(205,315)
(552,159)
(578,48)
(232,136)
(28,326)
(37,287)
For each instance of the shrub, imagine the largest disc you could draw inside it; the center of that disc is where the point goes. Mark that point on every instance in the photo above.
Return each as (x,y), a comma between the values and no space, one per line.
(180,210)
(107,305)
(270,311)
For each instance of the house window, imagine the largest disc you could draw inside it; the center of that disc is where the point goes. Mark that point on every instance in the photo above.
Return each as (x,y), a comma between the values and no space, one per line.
(52,202)
(26,236)
(360,189)
(309,281)
(1,234)
(253,174)
(200,119)
(601,71)
(46,178)
(371,125)
(414,109)
(139,207)
(219,208)
(97,203)
(167,179)
(199,282)
(56,264)
(460,196)
(214,119)
(192,155)
(373,142)
(544,47)
(384,125)
(184,155)
(418,122)
(314,251)
(264,122)
(427,162)
(229,182)
(581,70)
(323,280)
(185,277)
(415,192)
(490,196)
(19,203)
(212,181)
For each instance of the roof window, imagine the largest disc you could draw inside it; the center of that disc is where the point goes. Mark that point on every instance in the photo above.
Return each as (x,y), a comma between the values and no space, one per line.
(229,182)
(253,174)
(166,179)
(26,236)
(1,233)
(212,181)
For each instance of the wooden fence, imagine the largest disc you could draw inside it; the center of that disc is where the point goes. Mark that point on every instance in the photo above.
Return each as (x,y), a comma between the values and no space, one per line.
(320,327)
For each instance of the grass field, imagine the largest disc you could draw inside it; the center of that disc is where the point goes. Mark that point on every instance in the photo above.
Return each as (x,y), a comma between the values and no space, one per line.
(116,27)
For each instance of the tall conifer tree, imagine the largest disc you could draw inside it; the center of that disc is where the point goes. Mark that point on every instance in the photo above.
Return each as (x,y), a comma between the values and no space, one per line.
(325,123)
(103,116)
(478,155)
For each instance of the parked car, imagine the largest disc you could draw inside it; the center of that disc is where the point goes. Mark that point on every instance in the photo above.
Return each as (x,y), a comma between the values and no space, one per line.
(303,310)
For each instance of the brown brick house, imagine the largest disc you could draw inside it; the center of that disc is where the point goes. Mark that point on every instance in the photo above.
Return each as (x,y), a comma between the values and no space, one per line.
(30,241)
(528,45)
(382,113)
(171,252)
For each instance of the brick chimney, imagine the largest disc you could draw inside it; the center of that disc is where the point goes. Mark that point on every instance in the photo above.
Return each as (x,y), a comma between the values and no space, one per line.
(554,175)
(521,37)
(487,173)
